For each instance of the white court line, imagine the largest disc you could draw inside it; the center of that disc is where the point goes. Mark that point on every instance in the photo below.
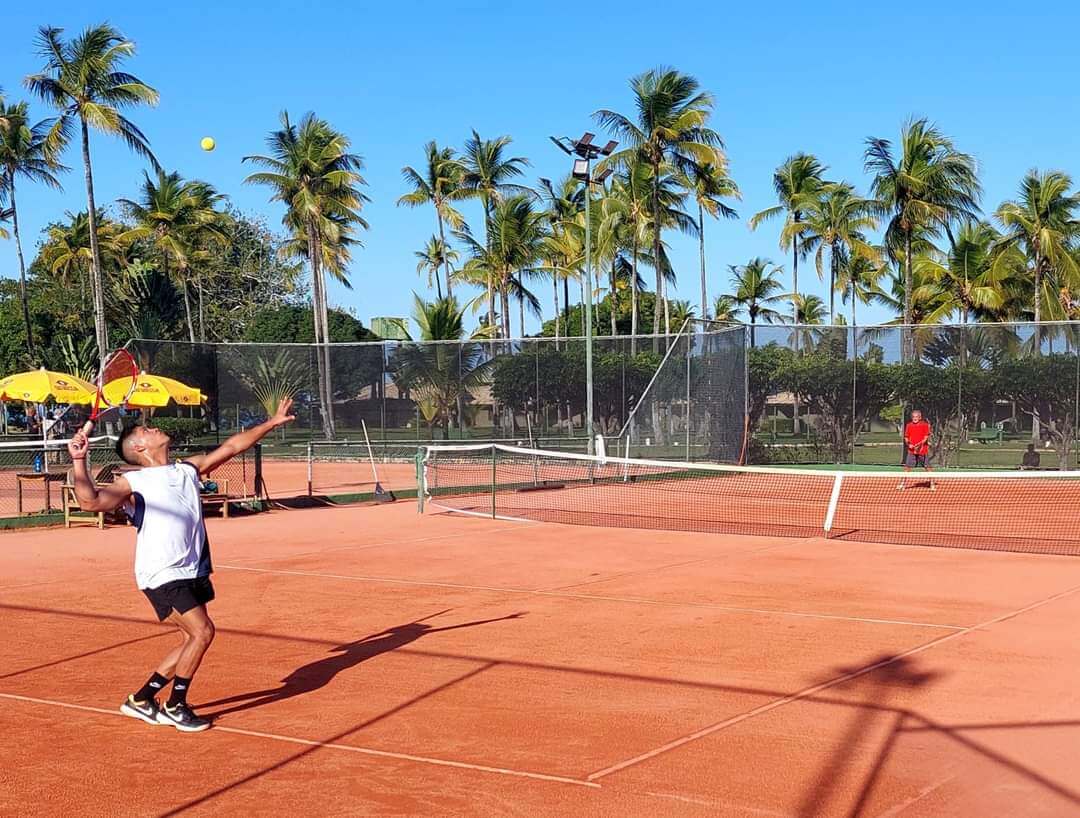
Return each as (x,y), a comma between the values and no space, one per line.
(814,689)
(439,762)
(599,598)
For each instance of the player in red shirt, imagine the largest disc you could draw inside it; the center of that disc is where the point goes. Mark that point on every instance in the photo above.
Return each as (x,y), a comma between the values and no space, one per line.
(916,446)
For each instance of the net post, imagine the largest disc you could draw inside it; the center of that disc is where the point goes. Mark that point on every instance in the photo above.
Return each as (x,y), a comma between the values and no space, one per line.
(259,482)
(421,488)
(834,500)
(494,479)
(310,462)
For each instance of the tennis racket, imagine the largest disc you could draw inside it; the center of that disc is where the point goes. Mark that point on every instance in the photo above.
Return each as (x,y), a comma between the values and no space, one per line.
(115,382)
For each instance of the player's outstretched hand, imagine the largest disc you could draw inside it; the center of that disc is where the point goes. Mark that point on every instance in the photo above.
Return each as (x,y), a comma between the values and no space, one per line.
(283,414)
(78,446)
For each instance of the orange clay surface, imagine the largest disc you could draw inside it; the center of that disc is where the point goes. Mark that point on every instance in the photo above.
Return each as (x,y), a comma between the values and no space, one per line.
(370,661)
(288,478)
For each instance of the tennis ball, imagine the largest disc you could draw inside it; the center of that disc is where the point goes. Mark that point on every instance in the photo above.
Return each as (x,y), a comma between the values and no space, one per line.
(208,143)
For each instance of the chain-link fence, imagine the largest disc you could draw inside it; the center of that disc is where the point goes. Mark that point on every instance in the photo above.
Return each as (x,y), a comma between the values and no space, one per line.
(996,395)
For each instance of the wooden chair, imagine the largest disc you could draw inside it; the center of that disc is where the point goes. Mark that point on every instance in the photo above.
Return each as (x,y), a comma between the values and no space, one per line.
(73,513)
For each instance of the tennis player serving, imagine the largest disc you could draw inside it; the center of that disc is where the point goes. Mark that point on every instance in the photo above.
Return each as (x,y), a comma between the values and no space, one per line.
(917,433)
(172,555)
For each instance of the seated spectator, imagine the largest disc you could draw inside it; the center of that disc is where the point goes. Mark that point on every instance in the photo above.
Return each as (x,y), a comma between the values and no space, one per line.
(1031,458)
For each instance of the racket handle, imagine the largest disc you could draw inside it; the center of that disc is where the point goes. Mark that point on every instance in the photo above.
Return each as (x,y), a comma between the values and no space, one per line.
(88,427)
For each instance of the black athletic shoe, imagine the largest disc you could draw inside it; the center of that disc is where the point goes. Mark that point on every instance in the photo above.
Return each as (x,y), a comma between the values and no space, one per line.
(146,711)
(182,717)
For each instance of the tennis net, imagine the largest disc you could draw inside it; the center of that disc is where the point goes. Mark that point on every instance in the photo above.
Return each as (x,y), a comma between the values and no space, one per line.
(1036,512)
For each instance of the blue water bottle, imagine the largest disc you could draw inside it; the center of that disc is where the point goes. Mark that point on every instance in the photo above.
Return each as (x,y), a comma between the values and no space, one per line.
(39,463)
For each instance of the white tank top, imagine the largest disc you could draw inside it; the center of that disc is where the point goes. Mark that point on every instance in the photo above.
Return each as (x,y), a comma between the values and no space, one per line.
(166,508)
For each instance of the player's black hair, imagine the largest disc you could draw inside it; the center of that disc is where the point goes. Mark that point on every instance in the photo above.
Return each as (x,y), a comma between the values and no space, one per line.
(124,435)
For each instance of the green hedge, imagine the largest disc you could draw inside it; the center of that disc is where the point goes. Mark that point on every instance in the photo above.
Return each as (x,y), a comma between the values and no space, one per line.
(181,430)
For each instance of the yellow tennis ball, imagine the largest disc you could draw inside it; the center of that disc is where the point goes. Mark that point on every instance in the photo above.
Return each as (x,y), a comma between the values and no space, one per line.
(208,143)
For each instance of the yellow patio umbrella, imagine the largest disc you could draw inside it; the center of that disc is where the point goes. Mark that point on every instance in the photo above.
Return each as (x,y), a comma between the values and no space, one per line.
(38,385)
(153,391)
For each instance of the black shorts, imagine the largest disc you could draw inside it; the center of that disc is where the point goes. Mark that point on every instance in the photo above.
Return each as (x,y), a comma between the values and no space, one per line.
(180,595)
(916,461)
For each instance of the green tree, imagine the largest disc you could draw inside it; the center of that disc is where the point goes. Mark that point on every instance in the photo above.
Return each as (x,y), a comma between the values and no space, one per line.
(755,288)
(923,189)
(438,183)
(835,219)
(312,171)
(794,181)
(563,248)
(27,151)
(489,175)
(66,256)
(1042,223)
(842,399)
(965,280)
(709,185)
(441,377)
(1043,387)
(434,255)
(514,246)
(670,128)
(175,216)
(84,80)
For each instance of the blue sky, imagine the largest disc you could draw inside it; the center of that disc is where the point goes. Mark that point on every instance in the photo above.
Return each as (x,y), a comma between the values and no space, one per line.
(1001,79)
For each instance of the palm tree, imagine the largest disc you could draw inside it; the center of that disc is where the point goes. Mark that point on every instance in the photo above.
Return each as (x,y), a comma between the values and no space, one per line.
(562,248)
(1042,223)
(435,255)
(798,178)
(488,175)
(439,184)
(755,287)
(709,184)
(83,79)
(442,376)
(67,253)
(858,281)
(514,246)
(724,309)
(312,171)
(835,218)
(174,216)
(27,151)
(965,280)
(670,128)
(632,188)
(926,188)
(809,311)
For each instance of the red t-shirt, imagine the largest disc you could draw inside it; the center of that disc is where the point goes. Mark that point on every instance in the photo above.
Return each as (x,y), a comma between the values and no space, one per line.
(917,435)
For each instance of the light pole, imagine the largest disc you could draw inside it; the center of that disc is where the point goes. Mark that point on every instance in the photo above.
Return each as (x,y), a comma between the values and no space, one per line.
(586,151)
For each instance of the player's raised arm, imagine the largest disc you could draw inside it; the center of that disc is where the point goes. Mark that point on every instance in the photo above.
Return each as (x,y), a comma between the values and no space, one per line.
(92,497)
(242,441)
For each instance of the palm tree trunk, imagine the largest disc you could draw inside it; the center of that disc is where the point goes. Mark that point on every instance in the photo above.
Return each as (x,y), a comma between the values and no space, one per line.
(317,300)
(202,324)
(906,342)
(832,285)
(101,332)
(581,310)
(446,259)
(555,288)
(566,302)
(23,296)
(614,299)
(521,313)
(656,252)
(701,241)
(504,301)
(187,309)
(324,317)
(795,308)
(633,298)
(667,312)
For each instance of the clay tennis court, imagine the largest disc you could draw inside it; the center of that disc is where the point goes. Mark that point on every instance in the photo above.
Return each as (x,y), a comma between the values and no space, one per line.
(371,661)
